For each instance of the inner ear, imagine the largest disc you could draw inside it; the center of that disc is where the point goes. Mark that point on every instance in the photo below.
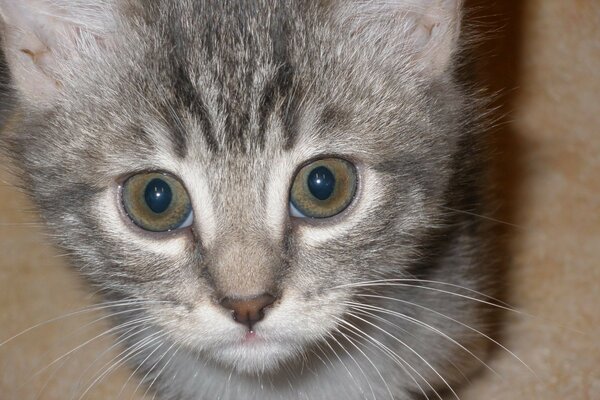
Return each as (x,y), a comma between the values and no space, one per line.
(436,34)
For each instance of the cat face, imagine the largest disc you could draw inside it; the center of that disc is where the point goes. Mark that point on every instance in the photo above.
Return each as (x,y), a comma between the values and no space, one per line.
(298,149)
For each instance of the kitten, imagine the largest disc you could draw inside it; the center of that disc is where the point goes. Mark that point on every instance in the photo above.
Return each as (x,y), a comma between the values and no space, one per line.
(268,191)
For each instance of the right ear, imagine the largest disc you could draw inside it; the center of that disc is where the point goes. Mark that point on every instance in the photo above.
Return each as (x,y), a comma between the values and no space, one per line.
(425,33)
(43,38)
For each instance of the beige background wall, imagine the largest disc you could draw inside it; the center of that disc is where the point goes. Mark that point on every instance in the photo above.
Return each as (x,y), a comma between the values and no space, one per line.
(546,60)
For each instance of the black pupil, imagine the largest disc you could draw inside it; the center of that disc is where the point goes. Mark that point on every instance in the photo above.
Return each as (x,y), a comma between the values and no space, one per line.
(158,195)
(321,183)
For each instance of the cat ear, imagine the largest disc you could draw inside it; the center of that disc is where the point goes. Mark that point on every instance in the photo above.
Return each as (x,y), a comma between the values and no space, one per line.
(424,31)
(42,38)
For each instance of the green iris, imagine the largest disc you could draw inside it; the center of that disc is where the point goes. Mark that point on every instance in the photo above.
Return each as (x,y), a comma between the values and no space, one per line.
(323,188)
(157,202)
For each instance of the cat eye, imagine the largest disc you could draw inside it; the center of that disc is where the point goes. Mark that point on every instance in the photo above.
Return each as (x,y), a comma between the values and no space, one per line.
(156,202)
(323,188)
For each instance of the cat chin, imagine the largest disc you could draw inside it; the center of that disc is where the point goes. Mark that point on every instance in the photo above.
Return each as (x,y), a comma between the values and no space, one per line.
(255,358)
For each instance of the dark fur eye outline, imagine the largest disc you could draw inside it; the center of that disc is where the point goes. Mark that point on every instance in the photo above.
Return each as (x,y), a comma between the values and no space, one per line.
(304,202)
(133,201)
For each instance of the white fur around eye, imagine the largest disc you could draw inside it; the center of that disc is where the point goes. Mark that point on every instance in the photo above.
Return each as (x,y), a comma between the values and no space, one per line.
(276,211)
(115,225)
(195,182)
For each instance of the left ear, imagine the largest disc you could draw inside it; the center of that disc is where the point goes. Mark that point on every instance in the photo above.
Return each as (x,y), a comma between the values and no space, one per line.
(43,39)
(424,31)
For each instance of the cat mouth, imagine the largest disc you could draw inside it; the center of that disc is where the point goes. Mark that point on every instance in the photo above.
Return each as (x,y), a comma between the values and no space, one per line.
(254,354)
(251,337)
(254,338)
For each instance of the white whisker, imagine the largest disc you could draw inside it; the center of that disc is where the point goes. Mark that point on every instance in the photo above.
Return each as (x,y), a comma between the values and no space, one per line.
(123,357)
(409,282)
(320,358)
(367,358)
(160,372)
(358,386)
(143,379)
(457,322)
(412,351)
(98,307)
(70,352)
(487,218)
(401,362)
(415,321)
(396,326)
(130,333)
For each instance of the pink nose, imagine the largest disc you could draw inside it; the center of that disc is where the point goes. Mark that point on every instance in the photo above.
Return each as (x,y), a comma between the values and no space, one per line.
(248,311)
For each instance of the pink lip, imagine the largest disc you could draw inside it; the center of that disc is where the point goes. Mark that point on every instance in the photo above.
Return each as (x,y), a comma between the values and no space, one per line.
(250,337)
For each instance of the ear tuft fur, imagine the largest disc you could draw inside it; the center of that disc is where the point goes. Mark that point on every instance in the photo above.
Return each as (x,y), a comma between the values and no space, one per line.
(423,31)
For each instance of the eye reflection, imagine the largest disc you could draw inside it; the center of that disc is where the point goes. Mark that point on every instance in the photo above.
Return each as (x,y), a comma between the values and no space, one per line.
(158,195)
(321,183)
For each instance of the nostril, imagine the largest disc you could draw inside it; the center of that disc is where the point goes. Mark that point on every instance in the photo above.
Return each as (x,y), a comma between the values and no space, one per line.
(248,311)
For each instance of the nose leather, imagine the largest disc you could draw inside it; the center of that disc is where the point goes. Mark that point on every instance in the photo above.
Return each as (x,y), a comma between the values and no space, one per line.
(248,311)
